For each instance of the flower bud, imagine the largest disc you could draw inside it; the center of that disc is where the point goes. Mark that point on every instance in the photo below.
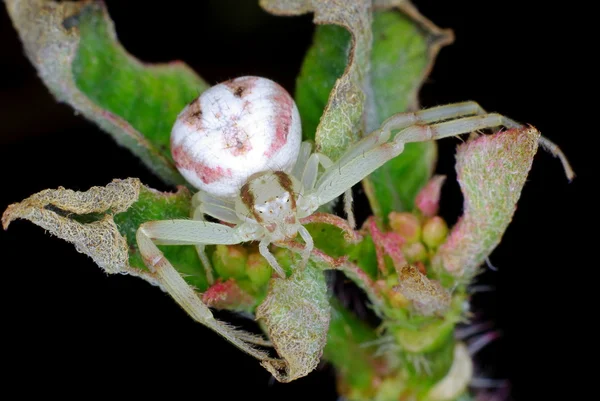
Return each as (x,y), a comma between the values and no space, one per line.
(230,261)
(435,231)
(428,199)
(406,225)
(228,295)
(258,270)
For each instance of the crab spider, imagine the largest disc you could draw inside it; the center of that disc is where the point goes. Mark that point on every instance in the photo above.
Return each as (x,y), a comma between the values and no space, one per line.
(268,204)
(271,204)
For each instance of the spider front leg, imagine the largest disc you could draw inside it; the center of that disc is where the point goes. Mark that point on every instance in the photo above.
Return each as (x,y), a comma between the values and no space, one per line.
(374,150)
(173,232)
(306,171)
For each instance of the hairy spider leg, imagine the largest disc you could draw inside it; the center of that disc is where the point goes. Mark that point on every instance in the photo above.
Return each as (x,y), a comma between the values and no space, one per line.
(400,121)
(181,292)
(374,150)
(194,232)
(436,114)
(555,151)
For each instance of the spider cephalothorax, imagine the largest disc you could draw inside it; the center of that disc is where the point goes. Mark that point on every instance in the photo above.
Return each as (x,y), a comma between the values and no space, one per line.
(270,198)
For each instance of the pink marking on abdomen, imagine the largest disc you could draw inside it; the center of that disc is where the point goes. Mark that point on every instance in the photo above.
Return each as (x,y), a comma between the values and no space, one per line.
(283,120)
(207,174)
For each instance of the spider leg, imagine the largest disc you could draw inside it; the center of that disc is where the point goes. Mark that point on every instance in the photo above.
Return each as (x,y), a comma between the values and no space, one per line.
(404,120)
(372,151)
(263,248)
(218,208)
(193,232)
(422,132)
(463,109)
(197,214)
(309,179)
(555,151)
(203,203)
(303,157)
(309,244)
(185,296)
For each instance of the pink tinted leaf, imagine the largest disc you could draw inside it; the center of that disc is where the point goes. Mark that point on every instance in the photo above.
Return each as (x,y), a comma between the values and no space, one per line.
(491,171)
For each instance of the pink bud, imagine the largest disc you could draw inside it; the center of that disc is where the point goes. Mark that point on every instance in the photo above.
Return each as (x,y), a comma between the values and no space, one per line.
(428,199)
(228,295)
(407,225)
(233,130)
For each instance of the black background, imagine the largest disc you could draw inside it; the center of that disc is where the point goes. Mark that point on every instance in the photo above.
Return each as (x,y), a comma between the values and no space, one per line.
(70,329)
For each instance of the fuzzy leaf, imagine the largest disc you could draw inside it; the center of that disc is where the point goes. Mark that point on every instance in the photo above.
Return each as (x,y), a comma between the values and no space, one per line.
(405,45)
(341,120)
(74,48)
(492,171)
(102,223)
(296,313)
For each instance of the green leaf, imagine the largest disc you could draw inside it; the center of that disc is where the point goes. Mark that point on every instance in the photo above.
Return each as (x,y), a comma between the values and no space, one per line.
(102,222)
(152,205)
(405,45)
(355,363)
(74,48)
(324,62)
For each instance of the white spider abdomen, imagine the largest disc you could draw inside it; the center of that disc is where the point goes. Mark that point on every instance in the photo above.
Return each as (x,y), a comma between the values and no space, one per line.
(233,130)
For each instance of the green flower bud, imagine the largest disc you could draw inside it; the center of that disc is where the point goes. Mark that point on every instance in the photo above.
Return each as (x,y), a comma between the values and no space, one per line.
(285,259)
(230,261)
(406,225)
(258,270)
(435,231)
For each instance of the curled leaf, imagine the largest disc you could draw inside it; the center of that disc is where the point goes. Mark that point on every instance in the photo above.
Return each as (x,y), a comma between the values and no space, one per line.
(341,121)
(74,48)
(102,221)
(296,313)
(54,210)
(492,171)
